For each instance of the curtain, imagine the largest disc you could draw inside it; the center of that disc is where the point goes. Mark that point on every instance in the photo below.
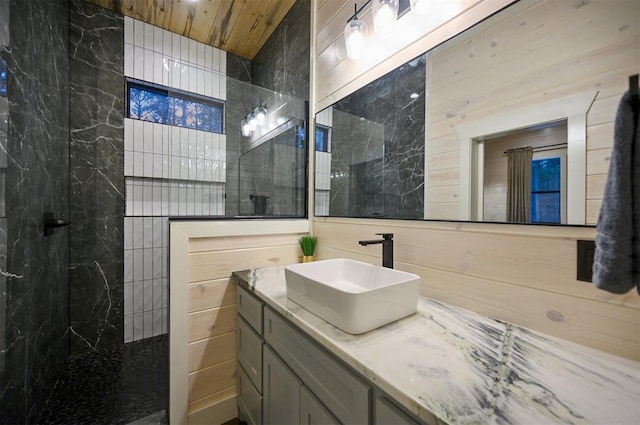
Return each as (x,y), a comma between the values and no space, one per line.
(519,185)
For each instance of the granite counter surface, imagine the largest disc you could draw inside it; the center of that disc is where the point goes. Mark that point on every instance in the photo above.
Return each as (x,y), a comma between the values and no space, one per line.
(449,365)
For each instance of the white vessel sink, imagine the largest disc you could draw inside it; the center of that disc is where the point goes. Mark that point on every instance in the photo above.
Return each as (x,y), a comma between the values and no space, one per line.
(354,296)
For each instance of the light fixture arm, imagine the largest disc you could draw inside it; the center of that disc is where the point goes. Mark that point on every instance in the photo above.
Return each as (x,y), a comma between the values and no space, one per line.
(358,10)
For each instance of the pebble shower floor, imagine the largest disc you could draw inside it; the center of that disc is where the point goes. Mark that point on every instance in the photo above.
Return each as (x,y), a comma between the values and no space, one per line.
(123,386)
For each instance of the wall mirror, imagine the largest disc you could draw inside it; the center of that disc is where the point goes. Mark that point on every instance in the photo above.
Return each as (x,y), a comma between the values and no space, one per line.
(509,121)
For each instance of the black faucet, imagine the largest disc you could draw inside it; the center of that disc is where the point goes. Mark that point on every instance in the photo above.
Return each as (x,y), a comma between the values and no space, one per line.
(387,248)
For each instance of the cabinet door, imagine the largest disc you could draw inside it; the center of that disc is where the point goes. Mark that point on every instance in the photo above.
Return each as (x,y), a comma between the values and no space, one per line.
(312,412)
(281,392)
(249,401)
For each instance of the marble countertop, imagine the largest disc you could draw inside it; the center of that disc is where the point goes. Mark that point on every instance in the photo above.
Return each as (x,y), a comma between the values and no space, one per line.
(449,365)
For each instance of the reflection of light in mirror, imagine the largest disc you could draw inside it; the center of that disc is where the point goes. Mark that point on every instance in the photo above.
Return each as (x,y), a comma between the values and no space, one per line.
(414,95)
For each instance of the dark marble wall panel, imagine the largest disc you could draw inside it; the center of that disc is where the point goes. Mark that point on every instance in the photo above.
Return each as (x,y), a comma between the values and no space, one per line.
(381,121)
(239,100)
(238,68)
(283,62)
(97,177)
(35,307)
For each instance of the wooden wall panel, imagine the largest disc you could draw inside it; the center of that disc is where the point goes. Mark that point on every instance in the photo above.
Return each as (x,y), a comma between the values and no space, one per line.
(211,294)
(220,264)
(577,49)
(212,310)
(211,380)
(336,75)
(521,274)
(212,322)
(210,351)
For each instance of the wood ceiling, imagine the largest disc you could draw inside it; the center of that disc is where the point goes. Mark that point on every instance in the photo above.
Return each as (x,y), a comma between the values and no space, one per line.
(237,26)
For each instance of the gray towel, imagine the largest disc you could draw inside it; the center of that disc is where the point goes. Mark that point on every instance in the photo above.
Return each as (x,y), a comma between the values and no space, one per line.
(616,266)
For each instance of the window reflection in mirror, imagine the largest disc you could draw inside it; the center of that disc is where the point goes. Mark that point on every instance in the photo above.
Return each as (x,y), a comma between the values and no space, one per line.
(533,63)
(547,190)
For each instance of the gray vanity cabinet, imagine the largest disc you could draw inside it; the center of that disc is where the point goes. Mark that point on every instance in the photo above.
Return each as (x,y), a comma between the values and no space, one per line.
(285,377)
(388,414)
(250,346)
(312,412)
(281,391)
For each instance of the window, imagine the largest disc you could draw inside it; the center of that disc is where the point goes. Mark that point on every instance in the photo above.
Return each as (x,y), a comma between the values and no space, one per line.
(546,183)
(322,138)
(156,104)
(3,78)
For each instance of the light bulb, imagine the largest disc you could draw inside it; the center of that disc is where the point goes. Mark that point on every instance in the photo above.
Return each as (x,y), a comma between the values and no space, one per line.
(253,121)
(355,37)
(245,127)
(261,114)
(385,13)
(421,7)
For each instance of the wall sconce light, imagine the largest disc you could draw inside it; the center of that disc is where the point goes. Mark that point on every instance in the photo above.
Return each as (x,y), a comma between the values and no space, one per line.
(255,119)
(245,127)
(261,114)
(385,13)
(421,7)
(355,35)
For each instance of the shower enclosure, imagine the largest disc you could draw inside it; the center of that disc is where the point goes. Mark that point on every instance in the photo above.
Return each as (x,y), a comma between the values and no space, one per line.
(266,171)
(63,294)
(34,178)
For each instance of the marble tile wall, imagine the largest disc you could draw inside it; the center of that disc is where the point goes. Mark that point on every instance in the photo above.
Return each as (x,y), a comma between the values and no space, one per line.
(283,64)
(35,300)
(377,158)
(169,170)
(4,130)
(97,183)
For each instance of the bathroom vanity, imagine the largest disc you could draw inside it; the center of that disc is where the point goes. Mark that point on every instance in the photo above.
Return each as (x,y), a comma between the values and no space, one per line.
(441,365)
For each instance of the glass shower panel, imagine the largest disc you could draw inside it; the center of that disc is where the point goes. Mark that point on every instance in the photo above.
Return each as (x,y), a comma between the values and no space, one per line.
(266,168)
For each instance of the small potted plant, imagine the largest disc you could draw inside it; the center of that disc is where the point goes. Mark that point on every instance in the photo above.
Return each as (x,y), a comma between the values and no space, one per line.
(308,246)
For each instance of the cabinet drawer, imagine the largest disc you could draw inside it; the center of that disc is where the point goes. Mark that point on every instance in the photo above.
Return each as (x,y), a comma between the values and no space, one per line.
(249,401)
(250,353)
(388,414)
(250,308)
(342,392)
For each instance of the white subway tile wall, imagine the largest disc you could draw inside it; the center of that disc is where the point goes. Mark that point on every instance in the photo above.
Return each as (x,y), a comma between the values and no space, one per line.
(323,167)
(169,171)
(162,151)
(322,202)
(158,56)
(323,171)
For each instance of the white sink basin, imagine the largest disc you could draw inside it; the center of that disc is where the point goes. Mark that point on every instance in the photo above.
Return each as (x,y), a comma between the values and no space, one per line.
(354,296)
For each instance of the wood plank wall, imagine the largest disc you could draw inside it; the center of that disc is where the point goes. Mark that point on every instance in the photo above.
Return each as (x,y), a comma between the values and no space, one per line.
(521,274)
(336,76)
(202,326)
(542,51)
(212,307)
